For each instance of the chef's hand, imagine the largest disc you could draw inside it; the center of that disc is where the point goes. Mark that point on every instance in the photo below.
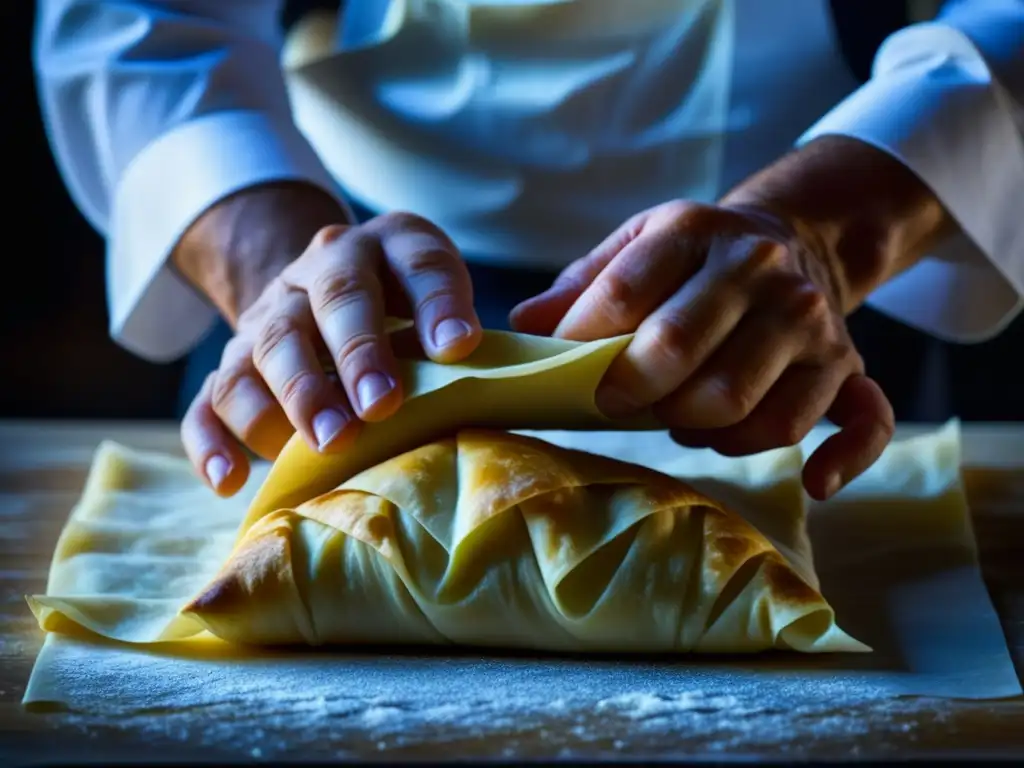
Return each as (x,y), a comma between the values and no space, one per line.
(739,308)
(329,303)
(740,343)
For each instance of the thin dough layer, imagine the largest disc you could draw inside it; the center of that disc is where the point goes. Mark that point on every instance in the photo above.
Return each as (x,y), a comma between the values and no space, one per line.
(413,536)
(492,539)
(511,381)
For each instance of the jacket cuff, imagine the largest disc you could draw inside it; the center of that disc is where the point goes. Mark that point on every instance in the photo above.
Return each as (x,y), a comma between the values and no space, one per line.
(933,105)
(154,312)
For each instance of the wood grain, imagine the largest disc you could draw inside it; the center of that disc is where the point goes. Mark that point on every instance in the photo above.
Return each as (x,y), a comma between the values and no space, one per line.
(42,469)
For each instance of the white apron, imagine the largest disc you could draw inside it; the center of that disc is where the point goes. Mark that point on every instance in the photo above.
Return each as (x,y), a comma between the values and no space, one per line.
(530,129)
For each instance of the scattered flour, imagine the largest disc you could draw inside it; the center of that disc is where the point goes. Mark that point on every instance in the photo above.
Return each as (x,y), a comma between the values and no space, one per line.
(638,706)
(336,707)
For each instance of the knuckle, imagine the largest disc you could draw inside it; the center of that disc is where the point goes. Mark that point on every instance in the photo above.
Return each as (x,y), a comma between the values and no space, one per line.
(273,333)
(359,240)
(616,300)
(687,217)
(767,256)
(208,384)
(237,352)
(735,400)
(355,348)
(574,276)
(273,295)
(428,258)
(807,310)
(223,387)
(201,402)
(351,246)
(810,307)
(681,210)
(337,287)
(329,234)
(793,429)
(568,284)
(841,356)
(236,363)
(681,220)
(298,388)
(401,220)
(761,258)
(669,338)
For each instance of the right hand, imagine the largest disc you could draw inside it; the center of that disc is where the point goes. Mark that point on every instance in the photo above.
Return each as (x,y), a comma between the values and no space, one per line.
(330,303)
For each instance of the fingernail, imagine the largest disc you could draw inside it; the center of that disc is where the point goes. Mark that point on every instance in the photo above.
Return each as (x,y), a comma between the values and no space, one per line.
(371,388)
(217,468)
(327,425)
(615,403)
(832,484)
(450,331)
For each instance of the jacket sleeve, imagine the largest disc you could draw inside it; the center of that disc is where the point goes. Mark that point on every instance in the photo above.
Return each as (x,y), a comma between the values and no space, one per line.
(155,111)
(946,98)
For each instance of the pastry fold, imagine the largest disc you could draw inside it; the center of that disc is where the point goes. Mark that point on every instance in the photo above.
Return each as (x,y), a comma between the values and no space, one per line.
(438,526)
(501,540)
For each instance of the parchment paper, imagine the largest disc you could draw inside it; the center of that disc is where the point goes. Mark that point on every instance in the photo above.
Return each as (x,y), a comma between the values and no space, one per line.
(894,553)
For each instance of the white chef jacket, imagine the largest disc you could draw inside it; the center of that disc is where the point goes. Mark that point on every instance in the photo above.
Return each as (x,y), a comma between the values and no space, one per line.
(527,129)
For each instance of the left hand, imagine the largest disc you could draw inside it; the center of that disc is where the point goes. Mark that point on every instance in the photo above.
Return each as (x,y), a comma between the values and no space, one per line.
(741,343)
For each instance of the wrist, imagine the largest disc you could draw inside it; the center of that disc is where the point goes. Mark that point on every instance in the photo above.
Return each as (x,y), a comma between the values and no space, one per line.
(858,209)
(240,244)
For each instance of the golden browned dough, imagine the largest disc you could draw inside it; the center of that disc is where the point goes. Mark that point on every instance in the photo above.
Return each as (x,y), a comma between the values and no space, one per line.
(495,539)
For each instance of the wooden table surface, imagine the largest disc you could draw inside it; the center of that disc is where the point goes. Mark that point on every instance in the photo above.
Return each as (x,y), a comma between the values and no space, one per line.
(42,469)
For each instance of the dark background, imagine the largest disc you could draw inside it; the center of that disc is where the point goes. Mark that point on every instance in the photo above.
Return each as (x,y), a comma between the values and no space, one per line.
(58,361)
(57,358)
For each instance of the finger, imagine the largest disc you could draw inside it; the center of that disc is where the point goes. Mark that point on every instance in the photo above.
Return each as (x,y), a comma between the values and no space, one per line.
(798,401)
(215,453)
(736,377)
(285,355)
(347,304)
(435,279)
(866,425)
(636,281)
(541,314)
(672,343)
(243,404)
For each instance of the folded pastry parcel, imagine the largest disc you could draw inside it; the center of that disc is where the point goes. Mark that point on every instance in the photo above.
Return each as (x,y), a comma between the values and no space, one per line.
(439,526)
(494,539)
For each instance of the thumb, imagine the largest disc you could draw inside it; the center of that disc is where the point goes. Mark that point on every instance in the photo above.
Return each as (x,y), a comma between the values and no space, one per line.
(541,314)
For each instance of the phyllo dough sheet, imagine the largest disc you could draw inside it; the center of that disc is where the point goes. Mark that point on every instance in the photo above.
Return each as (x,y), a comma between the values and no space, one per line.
(893,553)
(476,537)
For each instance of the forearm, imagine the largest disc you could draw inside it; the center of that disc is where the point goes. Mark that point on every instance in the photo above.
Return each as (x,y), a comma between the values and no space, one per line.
(862,209)
(232,252)
(945,103)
